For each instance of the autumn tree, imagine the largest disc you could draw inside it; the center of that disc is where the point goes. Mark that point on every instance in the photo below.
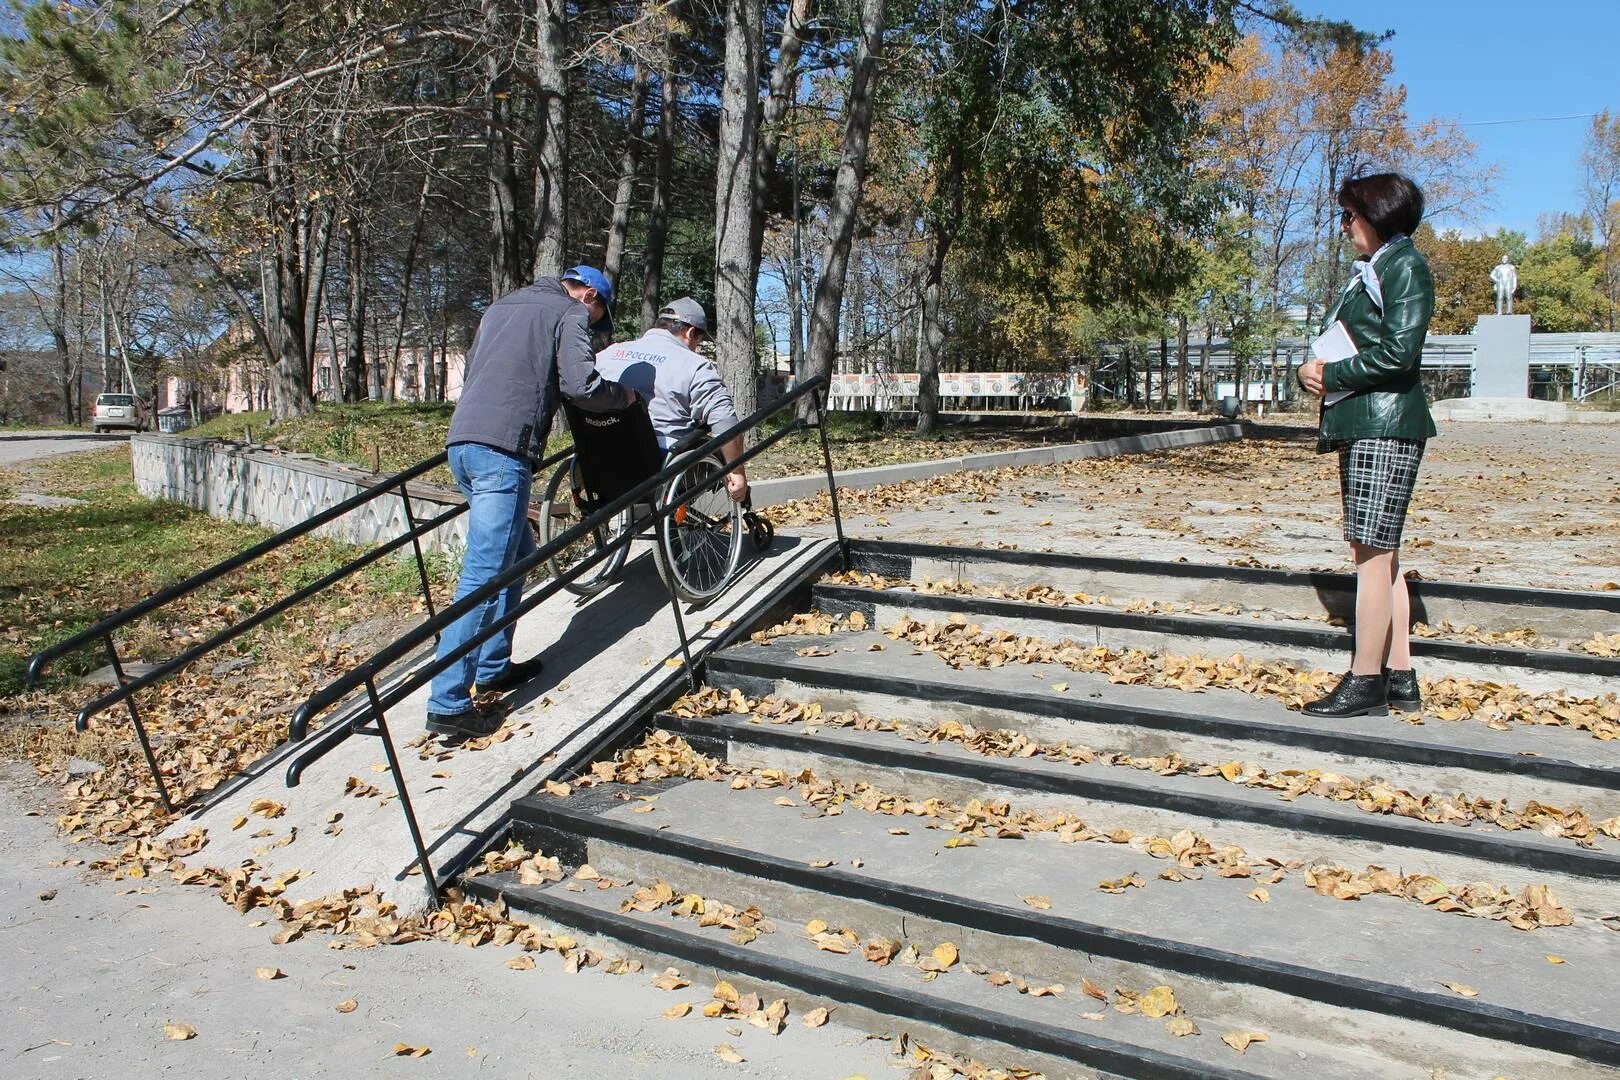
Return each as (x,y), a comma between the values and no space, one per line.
(1600,188)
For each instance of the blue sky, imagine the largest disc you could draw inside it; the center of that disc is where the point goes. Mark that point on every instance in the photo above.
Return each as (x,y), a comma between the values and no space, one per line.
(1492,60)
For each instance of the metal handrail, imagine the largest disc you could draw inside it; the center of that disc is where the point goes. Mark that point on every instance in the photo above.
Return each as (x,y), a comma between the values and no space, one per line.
(365,675)
(116,621)
(415,679)
(127,687)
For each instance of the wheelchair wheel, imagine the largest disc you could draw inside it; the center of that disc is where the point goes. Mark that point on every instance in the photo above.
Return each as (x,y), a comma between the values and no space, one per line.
(700,544)
(560,512)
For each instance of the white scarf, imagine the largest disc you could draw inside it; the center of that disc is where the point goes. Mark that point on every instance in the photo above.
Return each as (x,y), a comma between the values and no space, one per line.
(1362,270)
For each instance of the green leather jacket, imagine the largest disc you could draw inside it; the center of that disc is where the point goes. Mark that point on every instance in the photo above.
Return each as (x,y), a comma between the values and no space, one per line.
(1387,398)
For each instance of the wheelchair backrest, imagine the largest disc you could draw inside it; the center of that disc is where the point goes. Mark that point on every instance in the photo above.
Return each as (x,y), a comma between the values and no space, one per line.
(614,451)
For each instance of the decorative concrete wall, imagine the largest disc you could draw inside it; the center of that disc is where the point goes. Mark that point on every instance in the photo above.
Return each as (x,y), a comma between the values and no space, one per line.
(267,487)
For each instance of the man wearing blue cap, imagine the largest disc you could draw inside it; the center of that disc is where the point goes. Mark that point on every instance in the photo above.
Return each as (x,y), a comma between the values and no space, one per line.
(532,346)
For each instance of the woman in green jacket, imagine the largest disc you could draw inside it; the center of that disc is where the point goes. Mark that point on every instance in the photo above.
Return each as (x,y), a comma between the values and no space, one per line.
(1375,415)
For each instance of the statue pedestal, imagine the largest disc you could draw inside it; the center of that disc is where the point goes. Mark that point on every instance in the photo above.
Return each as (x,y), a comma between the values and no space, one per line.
(1502,357)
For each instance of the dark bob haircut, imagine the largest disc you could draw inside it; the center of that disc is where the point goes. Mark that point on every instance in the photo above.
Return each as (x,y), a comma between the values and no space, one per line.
(1389,202)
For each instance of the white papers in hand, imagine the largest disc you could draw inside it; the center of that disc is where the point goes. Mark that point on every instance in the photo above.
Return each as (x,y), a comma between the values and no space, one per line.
(1334,343)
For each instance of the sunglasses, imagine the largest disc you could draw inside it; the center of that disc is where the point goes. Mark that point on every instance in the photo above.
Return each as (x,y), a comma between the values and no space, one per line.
(1346,216)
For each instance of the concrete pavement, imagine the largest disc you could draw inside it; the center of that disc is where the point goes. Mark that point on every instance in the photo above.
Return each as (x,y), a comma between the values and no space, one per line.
(94,972)
(26,444)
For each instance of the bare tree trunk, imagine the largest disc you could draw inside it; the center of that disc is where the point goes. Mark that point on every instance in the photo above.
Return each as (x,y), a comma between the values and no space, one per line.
(551,168)
(508,241)
(354,345)
(1204,389)
(782,93)
(629,168)
(931,343)
(317,249)
(1181,363)
(289,379)
(932,340)
(735,175)
(841,213)
(409,269)
(64,357)
(795,299)
(652,272)
(1164,373)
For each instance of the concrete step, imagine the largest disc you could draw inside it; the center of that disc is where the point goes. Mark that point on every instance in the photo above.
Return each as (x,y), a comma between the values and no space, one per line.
(1111,797)
(1564,614)
(868,672)
(1357,984)
(1304,644)
(963,1013)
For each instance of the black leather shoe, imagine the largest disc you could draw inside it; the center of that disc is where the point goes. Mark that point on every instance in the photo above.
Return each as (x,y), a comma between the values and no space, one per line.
(467,724)
(1356,695)
(512,677)
(1403,690)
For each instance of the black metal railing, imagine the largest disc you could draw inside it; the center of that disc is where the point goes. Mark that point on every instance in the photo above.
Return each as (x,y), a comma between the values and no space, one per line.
(101,634)
(365,676)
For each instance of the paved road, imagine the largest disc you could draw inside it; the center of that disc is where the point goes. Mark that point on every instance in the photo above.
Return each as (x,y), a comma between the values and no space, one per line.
(23,444)
(20,446)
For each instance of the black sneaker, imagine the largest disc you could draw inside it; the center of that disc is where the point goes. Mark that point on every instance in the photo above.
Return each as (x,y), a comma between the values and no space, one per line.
(468,724)
(1403,690)
(512,677)
(1356,695)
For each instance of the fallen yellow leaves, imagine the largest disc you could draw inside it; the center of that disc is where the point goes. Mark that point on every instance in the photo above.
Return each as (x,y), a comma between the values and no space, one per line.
(663,754)
(960,643)
(269,973)
(1242,1040)
(1119,885)
(1532,907)
(179,1032)
(407,1050)
(1157,1002)
(670,979)
(1462,989)
(347,1006)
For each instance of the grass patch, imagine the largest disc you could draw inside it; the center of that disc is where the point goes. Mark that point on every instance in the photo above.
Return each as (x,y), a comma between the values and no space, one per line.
(65,568)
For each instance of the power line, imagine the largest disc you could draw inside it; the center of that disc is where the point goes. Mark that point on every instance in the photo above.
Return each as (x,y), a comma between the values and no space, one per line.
(1526,120)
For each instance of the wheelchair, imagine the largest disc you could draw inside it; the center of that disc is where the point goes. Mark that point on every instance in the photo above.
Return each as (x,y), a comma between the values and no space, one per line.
(697,548)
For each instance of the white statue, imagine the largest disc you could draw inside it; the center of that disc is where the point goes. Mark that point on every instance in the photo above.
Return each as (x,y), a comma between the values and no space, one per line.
(1506,279)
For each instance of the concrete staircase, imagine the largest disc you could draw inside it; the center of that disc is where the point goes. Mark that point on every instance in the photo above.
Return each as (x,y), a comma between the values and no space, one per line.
(1055,869)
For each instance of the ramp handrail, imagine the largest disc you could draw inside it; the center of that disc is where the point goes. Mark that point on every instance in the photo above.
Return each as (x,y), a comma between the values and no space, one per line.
(102,632)
(366,674)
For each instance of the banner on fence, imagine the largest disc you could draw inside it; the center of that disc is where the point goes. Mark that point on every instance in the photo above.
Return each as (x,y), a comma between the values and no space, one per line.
(1038,384)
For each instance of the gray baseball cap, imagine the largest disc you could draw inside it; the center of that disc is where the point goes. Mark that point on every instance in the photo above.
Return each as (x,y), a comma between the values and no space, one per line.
(688,311)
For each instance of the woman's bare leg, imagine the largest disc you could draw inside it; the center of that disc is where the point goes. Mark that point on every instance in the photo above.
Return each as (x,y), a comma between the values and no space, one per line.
(1375,602)
(1400,619)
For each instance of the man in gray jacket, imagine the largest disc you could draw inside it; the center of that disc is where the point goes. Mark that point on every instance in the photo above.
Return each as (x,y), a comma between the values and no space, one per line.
(682,388)
(533,348)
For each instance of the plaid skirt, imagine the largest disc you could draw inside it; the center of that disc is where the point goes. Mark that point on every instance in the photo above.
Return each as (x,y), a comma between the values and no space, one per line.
(1376,478)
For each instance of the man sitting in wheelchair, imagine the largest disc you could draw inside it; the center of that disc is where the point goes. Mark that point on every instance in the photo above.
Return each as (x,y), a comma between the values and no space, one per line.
(683,390)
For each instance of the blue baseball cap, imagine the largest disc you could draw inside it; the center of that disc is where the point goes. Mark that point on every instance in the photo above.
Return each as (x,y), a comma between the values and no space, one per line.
(590,275)
(593,278)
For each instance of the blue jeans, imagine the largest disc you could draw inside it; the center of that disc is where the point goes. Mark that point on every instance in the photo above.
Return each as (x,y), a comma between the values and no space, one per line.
(497,489)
